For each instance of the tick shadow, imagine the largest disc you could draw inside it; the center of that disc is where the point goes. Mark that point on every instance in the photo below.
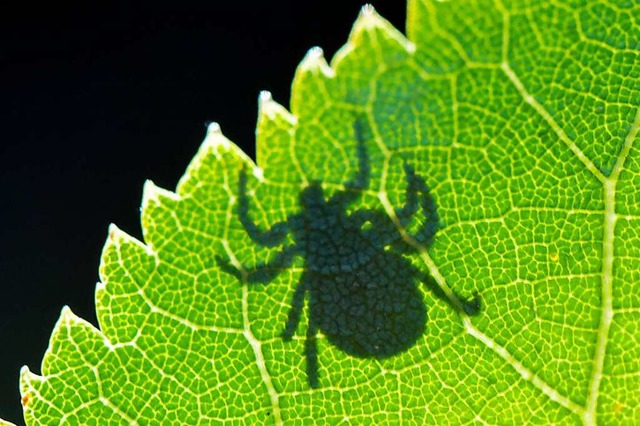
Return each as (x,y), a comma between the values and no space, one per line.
(363,293)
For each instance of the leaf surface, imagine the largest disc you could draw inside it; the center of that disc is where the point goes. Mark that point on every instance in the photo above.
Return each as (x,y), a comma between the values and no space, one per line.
(523,119)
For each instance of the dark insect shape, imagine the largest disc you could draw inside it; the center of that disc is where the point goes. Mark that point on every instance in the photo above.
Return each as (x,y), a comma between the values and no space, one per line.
(363,293)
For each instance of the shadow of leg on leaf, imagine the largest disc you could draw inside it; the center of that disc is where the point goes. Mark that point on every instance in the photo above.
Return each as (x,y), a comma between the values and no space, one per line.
(363,291)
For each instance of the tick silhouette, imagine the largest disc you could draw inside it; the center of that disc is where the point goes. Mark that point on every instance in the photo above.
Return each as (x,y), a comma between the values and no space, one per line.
(362,292)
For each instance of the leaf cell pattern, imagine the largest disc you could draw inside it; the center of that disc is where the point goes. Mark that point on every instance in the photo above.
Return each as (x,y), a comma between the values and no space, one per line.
(523,117)
(362,292)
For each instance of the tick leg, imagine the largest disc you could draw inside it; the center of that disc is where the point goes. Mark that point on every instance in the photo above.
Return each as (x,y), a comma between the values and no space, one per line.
(263,272)
(311,353)
(362,177)
(410,207)
(416,185)
(470,307)
(384,229)
(310,344)
(270,238)
(361,180)
(297,303)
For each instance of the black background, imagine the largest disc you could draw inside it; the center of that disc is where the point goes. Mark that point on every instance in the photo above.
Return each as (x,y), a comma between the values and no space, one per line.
(96,99)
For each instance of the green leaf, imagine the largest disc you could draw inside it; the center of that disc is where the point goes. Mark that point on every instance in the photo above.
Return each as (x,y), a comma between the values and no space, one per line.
(522,119)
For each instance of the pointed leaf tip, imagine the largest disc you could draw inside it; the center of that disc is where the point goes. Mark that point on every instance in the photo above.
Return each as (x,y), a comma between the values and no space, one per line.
(66,312)
(315,52)
(215,138)
(314,61)
(213,127)
(265,103)
(24,370)
(67,317)
(369,17)
(116,236)
(267,107)
(370,20)
(265,96)
(113,230)
(149,189)
(27,376)
(367,9)
(152,192)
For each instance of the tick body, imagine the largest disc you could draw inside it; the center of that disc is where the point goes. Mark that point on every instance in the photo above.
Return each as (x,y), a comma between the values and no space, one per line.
(363,293)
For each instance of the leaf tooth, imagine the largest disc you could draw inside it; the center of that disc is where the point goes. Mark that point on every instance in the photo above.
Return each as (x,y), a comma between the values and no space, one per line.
(152,192)
(314,62)
(29,386)
(118,236)
(214,127)
(67,316)
(370,21)
(368,9)
(265,96)
(214,137)
(215,142)
(27,377)
(271,110)
(60,333)
(153,196)
(312,74)
(69,319)
(115,233)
